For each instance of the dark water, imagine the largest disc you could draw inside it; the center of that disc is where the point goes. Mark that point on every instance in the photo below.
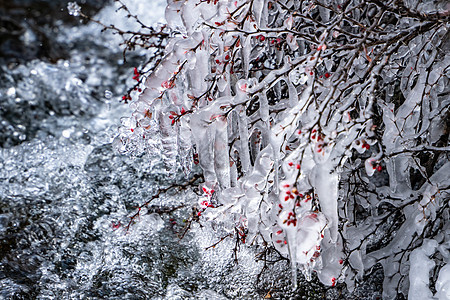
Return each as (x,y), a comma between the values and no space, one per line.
(64,190)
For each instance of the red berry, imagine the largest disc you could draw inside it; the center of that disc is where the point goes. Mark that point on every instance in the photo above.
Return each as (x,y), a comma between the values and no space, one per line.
(262,38)
(290,164)
(379,168)
(327,75)
(227,57)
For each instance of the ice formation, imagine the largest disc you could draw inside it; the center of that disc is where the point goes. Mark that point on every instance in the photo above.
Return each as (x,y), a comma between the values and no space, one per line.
(298,110)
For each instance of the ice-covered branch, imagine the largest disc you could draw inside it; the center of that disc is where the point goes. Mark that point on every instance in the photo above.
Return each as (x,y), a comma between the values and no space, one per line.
(322,127)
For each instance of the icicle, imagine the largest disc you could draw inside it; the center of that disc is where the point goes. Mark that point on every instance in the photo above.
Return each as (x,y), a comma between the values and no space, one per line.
(263,106)
(258,6)
(419,272)
(246,51)
(221,157)
(173,15)
(293,95)
(326,186)
(204,134)
(169,143)
(244,152)
(190,14)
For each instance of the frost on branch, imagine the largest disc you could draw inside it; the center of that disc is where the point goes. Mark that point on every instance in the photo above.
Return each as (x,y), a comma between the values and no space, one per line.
(322,126)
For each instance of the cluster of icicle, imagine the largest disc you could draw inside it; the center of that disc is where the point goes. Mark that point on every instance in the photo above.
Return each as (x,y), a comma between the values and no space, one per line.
(274,106)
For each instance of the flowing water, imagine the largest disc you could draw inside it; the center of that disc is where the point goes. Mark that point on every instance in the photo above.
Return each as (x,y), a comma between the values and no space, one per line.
(64,190)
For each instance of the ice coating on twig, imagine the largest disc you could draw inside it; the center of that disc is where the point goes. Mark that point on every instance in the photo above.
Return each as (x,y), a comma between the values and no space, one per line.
(313,129)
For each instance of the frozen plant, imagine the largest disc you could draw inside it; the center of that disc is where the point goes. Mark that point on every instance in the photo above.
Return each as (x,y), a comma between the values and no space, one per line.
(321,129)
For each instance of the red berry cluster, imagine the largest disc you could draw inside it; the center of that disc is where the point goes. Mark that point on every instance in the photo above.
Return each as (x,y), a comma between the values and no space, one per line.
(291,164)
(315,134)
(280,232)
(125,98)
(377,166)
(275,41)
(136,74)
(174,116)
(206,203)
(260,37)
(316,254)
(363,144)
